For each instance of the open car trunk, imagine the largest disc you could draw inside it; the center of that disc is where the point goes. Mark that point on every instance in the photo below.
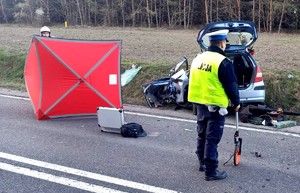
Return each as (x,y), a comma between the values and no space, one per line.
(241,37)
(244,70)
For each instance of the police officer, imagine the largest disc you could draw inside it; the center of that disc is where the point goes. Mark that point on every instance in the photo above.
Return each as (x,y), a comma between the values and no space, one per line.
(45,31)
(212,83)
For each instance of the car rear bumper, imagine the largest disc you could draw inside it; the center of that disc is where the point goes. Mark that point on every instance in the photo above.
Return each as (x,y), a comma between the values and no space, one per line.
(254,94)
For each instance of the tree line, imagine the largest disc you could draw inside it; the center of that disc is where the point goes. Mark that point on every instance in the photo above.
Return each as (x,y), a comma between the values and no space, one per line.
(268,15)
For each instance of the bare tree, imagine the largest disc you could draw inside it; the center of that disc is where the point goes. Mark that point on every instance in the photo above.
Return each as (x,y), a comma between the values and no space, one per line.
(107,13)
(267,14)
(174,12)
(238,3)
(79,12)
(210,10)
(217,11)
(133,12)
(282,14)
(122,5)
(189,13)
(184,15)
(26,11)
(271,15)
(168,12)
(253,10)
(148,14)
(259,17)
(69,10)
(160,11)
(206,10)
(94,11)
(67,14)
(3,11)
(156,14)
(179,12)
(45,5)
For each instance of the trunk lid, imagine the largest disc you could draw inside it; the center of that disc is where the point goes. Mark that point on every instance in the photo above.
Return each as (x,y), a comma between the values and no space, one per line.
(242,34)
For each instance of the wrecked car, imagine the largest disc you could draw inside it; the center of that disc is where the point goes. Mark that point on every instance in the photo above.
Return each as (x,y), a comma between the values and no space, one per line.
(241,37)
(172,89)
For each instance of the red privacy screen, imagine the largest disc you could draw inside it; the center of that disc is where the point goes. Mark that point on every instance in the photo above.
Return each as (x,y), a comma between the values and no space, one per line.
(72,77)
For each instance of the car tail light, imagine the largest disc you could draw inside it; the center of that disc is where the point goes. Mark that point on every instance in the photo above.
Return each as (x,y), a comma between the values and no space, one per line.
(251,51)
(258,75)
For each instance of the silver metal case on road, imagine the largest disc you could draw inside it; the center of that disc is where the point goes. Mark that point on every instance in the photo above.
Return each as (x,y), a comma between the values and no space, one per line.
(110,119)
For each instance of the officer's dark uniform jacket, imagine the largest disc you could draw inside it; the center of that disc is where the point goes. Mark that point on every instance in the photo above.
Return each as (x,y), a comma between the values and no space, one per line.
(219,82)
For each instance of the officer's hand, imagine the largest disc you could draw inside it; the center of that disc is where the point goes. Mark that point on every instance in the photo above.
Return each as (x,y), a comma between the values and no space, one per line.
(237,108)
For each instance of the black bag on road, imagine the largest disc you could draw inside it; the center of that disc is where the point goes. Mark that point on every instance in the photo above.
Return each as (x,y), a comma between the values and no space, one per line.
(133,130)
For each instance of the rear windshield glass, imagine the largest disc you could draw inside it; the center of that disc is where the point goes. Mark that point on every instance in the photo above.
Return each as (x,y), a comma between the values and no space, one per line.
(234,39)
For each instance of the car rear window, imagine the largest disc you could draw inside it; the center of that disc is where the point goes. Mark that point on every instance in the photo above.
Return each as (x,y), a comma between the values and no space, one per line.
(239,38)
(234,39)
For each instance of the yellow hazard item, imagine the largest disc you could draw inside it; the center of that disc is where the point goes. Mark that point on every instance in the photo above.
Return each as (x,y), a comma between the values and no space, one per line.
(204,85)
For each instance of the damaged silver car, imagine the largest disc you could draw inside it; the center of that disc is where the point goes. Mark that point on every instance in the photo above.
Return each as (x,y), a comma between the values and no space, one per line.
(239,49)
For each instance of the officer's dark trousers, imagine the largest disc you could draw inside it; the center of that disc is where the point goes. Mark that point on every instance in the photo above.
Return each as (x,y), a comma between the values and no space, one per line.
(210,130)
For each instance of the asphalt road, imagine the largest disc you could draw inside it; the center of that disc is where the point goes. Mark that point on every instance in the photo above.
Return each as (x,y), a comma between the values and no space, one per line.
(73,155)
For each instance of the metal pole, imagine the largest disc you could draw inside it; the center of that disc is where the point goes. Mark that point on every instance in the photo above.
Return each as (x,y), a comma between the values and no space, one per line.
(237,120)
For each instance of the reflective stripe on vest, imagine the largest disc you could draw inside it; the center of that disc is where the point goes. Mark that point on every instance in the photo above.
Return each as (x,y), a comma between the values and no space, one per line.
(204,85)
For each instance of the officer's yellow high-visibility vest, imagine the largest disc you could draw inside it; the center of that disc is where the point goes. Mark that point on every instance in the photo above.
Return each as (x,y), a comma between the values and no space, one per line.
(204,85)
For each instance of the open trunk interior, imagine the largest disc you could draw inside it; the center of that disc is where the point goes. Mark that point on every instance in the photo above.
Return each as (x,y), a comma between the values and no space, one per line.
(243,68)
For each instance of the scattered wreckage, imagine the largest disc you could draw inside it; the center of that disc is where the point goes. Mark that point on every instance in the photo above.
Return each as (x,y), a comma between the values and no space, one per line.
(262,115)
(172,89)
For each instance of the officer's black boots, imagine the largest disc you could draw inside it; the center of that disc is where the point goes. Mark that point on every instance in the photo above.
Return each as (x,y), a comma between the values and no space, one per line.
(219,175)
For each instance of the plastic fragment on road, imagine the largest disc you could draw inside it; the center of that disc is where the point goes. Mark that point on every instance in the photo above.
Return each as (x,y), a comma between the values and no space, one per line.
(284,124)
(129,74)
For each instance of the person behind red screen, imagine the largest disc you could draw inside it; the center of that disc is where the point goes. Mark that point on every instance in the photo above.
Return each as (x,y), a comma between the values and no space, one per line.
(45,31)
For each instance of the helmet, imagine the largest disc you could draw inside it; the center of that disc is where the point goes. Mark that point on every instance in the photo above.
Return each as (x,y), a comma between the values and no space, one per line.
(45,29)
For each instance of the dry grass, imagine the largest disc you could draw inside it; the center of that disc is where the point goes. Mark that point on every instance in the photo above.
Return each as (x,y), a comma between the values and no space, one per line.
(273,52)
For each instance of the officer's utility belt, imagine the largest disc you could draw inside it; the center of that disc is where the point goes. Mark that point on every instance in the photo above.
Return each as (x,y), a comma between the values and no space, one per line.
(222,111)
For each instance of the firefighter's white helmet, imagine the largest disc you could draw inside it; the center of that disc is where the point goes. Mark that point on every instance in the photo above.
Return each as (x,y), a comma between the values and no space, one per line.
(45,29)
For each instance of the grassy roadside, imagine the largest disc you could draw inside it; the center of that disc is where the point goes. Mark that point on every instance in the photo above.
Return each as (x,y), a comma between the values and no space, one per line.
(12,68)
(282,88)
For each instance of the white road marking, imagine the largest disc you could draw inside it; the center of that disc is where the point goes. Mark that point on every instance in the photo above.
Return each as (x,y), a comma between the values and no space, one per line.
(187,120)
(230,126)
(86,174)
(161,117)
(57,179)
(15,97)
(265,131)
